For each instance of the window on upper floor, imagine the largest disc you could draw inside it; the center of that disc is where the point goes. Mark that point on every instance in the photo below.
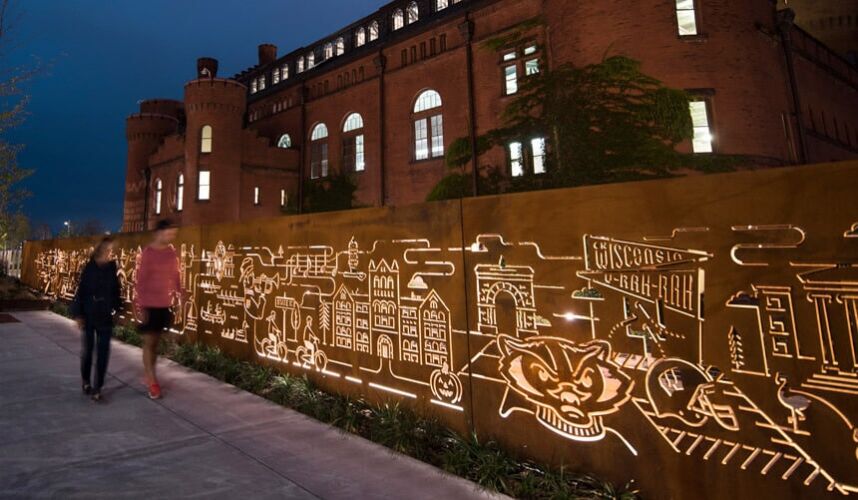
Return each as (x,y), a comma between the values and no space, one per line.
(311,60)
(412,13)
(360,37)
(329,50)
(283,198)
(398,19)
(441,4)
(261,84)
(700,120)
(516,62)
(686,17)
(204,184)
(275,76)
(159,191)
(526,157)
(206,138)
(319,152)
(373,31)
(180,192)
(353,144)
(254,86)
(428,126)
(340,46)
(256,200)
(300,65)
(285,141)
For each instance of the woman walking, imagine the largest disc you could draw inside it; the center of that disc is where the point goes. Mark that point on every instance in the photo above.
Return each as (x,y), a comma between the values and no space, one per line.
(96,300)
(158,282)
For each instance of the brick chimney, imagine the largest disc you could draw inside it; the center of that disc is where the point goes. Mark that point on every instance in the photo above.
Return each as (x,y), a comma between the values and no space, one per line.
(267,53)
(206,67)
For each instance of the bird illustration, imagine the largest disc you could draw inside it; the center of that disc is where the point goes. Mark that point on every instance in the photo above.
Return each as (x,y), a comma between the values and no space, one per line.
(795,403)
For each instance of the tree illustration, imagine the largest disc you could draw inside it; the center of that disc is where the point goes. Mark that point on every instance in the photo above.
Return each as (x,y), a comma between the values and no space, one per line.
(734,341)
(325,319)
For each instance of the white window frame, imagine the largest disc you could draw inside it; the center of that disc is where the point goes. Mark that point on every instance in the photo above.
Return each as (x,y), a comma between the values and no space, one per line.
(428,126)
(360,37)
(256,201)
(397,19)
(373,31)
(701,120)
(206,139)
(159,192)
(180,193)
(204,185)
(412,13)
(686,18)
(319,134)
(285,141)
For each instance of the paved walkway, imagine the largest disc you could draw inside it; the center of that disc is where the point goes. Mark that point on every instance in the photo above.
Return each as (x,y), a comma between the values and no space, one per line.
(206,439)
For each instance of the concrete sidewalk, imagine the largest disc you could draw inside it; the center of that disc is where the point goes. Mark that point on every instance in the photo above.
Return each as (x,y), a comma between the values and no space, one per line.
(205,439)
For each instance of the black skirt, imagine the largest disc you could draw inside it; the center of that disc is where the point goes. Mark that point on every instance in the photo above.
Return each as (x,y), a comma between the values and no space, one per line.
(158,319)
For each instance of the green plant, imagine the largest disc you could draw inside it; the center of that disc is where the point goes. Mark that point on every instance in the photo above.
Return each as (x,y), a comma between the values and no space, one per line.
(61,308)
(336,192)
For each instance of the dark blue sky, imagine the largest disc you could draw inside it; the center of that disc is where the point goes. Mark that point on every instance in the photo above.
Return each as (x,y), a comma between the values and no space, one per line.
(102,56)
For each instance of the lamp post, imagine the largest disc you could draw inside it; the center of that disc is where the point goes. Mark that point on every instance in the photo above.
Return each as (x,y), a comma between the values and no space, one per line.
(68,228)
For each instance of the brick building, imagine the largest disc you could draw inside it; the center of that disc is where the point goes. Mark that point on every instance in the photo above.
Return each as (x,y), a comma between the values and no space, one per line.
(386,96)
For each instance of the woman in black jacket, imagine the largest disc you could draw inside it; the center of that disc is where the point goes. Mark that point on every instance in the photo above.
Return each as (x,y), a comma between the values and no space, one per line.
(96,300)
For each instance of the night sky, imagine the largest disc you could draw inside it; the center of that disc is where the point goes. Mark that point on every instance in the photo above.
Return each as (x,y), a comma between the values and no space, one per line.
(102,56)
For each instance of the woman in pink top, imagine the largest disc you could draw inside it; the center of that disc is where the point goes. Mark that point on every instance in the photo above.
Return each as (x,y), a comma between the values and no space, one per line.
(158,282)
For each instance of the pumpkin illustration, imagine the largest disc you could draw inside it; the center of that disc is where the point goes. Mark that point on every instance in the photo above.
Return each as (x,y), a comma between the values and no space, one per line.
(445,385)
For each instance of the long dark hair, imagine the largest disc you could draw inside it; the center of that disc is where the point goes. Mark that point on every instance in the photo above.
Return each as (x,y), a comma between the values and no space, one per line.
(107,240)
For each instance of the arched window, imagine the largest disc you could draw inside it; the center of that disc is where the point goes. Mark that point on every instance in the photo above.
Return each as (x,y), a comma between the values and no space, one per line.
(340,46)
(412,13)
(329,50)
(180,192)
(159,190)
(428,126)
(373,31)
(311,60)
(353,144)
(360,37)
(319,152)
(206,139)
(285,141)
(398,19)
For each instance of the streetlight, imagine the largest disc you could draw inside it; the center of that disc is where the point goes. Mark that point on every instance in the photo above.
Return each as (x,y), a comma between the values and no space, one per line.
(68,226)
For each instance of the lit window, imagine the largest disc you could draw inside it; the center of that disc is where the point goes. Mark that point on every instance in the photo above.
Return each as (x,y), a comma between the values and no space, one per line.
(275,77)
(530,159)
(509,56)
(510,79)
(283,198)
(531,67)
(702,141)
(180,193)
(537,151)
(340,46)
(686,17)
(159,188)
(311,60)
(412,13)
(353,144)
(285,141)
(300,65)
(254,86)
(262,82)
(428,126)
(441,4)
(206,139)
(284,72)
(398,19)
(373,31)
(329,50)
(516,159)
(530,50)
(204,185)
(256,195)
(319,152)
(360,37)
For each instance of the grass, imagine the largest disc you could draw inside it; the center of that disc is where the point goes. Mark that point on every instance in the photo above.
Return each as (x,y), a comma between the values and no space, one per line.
(395,426)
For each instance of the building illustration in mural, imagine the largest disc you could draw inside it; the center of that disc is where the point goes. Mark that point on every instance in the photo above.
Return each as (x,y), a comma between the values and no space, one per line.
(577,344)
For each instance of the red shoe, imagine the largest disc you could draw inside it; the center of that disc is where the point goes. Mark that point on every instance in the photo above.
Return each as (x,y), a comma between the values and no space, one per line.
(154,391)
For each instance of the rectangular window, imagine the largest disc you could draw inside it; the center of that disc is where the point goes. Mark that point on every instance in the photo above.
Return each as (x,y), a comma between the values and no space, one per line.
(180,196)
(275,77)
(282,198)
(204,185)
(253,86)
(702,141)
(531,67)
(510,79)
(158,202)
(530,50)
(262,82)
(509,56)
(443,42)
(437,136)
(360,165)
(284,72)
(516,159)
(256,195)
(537,150)
(686,17)
(421,140)
(319,161)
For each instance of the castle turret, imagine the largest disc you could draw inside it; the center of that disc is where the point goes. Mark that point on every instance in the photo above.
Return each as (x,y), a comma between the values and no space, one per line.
(214,110)
(144,132)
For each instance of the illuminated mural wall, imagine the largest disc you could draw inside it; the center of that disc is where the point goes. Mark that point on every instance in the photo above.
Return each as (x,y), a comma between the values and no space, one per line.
(699,335)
